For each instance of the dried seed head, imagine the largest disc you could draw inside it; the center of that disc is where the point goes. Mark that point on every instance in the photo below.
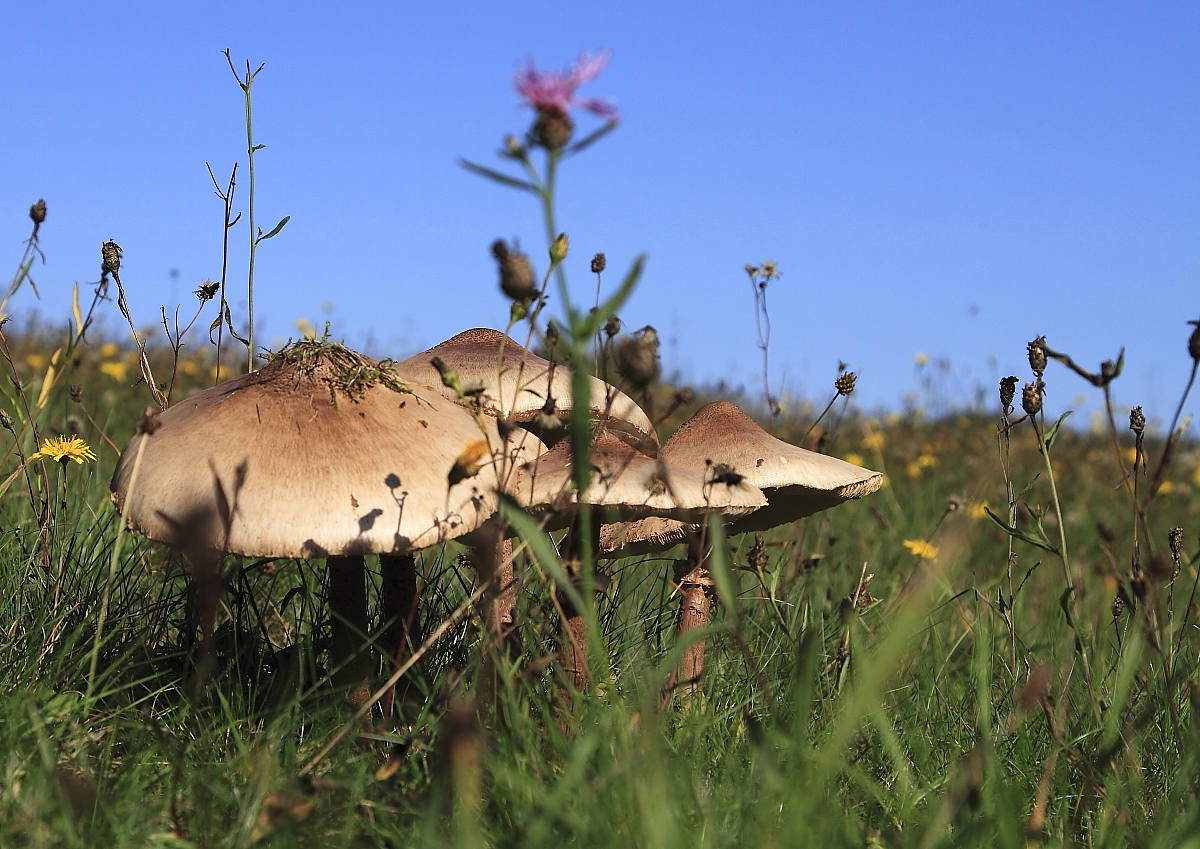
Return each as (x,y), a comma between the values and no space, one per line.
(1118,607)
(37,212)
(110,257)
(751,270)
(769,270)
(516,272)
(612,327)
(1194,341)
(683,395)
(207,290)
(76,393)
(1031,398)
(1137,422)
(1008,390)
(1175,540)
(148,423)
(637,357)
(845,382)
(599,263)
(1037,355)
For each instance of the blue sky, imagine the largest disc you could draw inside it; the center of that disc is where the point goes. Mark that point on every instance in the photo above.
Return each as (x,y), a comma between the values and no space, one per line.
(944,178)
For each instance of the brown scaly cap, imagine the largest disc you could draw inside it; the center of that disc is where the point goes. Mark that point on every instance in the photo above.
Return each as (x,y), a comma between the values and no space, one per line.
(519,389)
(266,465)
(630,483)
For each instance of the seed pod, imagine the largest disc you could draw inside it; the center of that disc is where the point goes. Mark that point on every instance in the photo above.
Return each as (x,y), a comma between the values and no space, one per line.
(1137,422)
(37,212)
(845,382)
(637,357)
(599,263)
(1031,398)
(612,327)
(516,272)
(1037,355)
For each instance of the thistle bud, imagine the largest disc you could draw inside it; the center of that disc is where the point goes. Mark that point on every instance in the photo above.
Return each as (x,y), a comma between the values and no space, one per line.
(637,357)
(1137,422)
(1031,398)
(599,262)
(684,395)
(1108,371)
(448,375)
(1037,355)
(558,250)
(37,212)
(1194,341)
(552,129)
(845,382)
(612,327)
(516,272)
(1008,390)
(110,257)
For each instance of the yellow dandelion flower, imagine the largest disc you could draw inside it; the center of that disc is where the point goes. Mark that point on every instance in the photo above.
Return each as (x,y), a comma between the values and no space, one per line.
(926,460)
(920,359)
(35,361)
(977,510)
(62,449)
(188,367)
(117,371)
(107,350)
(1166,487)
(921,548)
(913,470)
(873,441)
(853,459)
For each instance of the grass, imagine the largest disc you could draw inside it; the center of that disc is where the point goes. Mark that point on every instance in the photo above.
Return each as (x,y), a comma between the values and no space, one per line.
(950,706)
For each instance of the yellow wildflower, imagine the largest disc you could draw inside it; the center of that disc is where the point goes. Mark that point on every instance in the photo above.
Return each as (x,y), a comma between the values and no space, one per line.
(107,350)
(35,361)
(1130,455)
(873,441)
(468,462)
(117,371)
(977,510)
(920,359)
(926,460)
(921,548)
(188,367)
(1166,487)
(306,328)
(854,459)
(913,470)
(62,449)
(894,419)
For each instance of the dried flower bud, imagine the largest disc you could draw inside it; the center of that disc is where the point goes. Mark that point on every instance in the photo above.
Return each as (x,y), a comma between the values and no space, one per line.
(76,393)
(599,263)
(1175,540)
(845,382)
(612,327)
(513,146)
(551,335)
(516,272)
(684,395)
(148,423)
(769,270)
(1108,370)
(1118,607)
(448,375)
(1194,341)
(1031,398)
(751,270)
(637,357)
(1137,422)
(37,212)
(558,249)
(110,257)
(6,421)
(1037,355)
(207,290)
(1008,390)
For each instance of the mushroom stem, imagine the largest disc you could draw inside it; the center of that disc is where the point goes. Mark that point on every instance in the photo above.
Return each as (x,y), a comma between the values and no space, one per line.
(574,625)
(695,601)
(349,657)
(398,610)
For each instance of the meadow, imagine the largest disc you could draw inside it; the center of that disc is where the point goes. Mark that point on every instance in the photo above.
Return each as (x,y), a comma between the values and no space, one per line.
(999,648)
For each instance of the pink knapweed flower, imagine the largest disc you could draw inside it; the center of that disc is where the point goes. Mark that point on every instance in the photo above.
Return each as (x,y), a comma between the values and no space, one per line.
(553,93)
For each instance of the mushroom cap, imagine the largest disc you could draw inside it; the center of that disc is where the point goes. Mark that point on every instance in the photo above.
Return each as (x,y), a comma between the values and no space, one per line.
(631,484)
(516,386)
(796,482)
(275,464)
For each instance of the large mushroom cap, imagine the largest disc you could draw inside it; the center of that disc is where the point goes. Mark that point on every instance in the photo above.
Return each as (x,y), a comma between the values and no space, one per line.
(729,444)
(630,483)
(319,453)
(515,385)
